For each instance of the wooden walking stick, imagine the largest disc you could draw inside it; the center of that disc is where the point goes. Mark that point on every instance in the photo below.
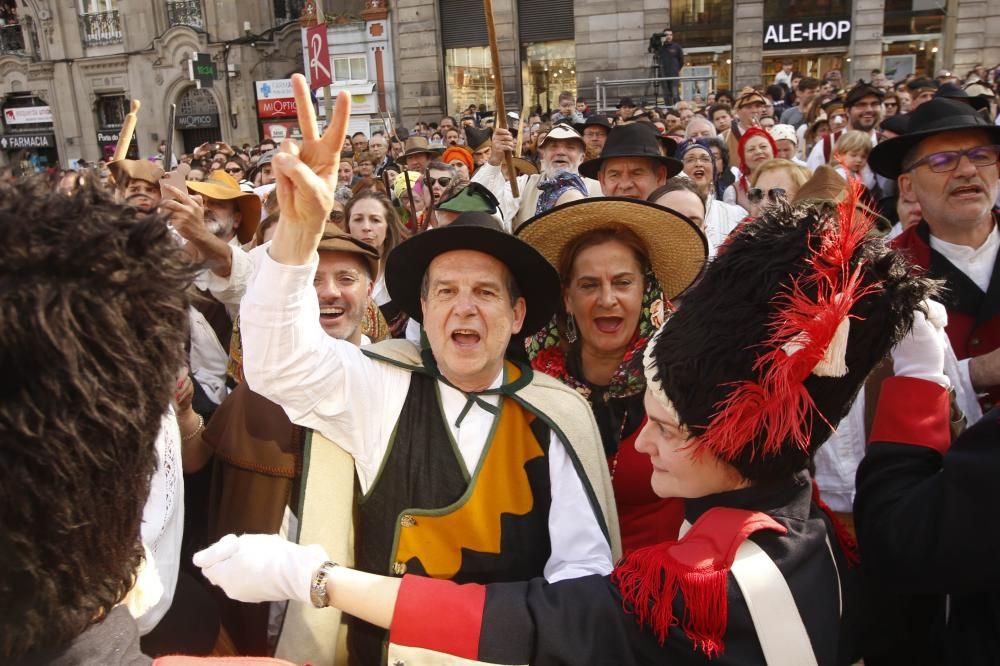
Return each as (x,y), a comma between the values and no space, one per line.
(520,132)
(128,129)
(501,111)
(409,194)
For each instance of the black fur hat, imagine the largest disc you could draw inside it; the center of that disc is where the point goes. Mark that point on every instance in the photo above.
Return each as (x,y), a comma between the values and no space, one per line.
(766,354)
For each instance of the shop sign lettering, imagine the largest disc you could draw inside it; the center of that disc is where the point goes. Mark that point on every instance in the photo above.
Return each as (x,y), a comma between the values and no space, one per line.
(22,141)
(818,32)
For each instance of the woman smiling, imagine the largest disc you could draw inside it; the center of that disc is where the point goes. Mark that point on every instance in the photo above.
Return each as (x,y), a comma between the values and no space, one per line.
(618,259)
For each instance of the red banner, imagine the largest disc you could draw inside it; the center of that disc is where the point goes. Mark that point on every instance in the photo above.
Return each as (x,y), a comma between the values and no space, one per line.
(319,57)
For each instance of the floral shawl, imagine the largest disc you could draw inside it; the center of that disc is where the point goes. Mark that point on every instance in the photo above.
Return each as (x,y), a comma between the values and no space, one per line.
(547,349)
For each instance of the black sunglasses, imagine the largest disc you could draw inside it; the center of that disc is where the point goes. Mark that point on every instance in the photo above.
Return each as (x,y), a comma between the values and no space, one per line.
(234,170)
(443,181)
(756,195)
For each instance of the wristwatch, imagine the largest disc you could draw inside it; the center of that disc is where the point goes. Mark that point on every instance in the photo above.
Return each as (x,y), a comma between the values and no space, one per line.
(317,591)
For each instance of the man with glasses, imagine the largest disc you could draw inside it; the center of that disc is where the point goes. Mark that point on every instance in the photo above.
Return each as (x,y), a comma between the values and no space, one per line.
(947,160)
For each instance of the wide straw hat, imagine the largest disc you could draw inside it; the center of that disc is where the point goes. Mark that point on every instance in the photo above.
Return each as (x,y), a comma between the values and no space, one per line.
(676,246)
(222,187)
(536,278)
(125,170)
(933,117)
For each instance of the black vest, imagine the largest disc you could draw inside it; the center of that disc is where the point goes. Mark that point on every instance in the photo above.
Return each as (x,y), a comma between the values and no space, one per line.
(424,515)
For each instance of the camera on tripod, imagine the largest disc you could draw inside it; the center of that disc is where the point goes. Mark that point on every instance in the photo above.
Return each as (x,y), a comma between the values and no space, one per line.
(655,42)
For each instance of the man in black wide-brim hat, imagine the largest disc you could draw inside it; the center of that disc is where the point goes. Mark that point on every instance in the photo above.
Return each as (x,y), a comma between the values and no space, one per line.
(925,514)
(471,466)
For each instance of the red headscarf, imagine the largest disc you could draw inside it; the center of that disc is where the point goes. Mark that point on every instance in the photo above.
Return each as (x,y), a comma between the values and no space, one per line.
(747,135)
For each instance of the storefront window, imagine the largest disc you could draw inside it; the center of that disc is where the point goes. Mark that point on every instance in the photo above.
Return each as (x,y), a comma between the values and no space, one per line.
(111,110)
(901,58)
(914,17)
(815,65)
(469,74)
(701,22)
(717,64)
(548,69)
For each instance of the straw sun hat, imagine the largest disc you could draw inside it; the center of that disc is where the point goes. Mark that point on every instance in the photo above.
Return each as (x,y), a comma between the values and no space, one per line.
(677,248)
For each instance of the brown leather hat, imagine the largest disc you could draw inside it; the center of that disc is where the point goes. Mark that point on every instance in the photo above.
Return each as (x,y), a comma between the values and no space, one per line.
(335,240)
(125,170)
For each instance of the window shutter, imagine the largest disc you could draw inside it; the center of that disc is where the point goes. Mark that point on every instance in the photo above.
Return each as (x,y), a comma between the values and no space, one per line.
(542,21)
(463,24)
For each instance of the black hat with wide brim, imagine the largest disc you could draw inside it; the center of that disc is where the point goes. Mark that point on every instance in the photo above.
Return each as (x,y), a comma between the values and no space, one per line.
(953,91)
(535,276)
(932,117)
(595,120)
(632,140)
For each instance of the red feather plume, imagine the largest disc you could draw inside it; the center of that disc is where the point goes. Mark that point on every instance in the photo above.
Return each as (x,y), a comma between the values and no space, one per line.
(801,331)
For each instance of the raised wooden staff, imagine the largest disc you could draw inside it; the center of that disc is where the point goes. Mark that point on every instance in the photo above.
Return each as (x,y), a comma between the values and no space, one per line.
(501,111)
(391,126)
(520,129)
(128,129)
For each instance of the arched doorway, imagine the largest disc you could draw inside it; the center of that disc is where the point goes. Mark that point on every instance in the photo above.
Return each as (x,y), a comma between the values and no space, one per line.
(198,118)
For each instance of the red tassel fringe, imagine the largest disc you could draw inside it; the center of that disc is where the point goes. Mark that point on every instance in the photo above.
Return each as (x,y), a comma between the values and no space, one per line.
(848,544)
(649,579)
(778,404)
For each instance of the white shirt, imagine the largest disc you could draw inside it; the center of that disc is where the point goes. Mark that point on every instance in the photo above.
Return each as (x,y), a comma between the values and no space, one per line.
(230,289)
(207,359)
(720,220)
(163,518)
(977,264)
(492,178)
(330,386)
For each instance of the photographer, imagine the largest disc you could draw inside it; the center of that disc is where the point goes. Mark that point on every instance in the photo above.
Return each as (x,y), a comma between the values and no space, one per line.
(671,62)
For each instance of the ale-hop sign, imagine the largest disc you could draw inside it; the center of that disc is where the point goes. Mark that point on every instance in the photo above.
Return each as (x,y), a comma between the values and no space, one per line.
(800,33)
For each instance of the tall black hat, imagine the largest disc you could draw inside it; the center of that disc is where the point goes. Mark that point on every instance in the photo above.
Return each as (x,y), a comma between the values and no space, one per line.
(766,353)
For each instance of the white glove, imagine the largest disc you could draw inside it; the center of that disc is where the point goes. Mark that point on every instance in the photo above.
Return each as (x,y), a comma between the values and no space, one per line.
(261,567)
(921,353)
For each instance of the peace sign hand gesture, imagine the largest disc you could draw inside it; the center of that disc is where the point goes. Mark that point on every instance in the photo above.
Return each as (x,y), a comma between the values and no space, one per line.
(306,178)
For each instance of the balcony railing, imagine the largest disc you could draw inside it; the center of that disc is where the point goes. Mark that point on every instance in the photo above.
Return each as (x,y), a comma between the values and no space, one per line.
(101,28)
(185,12)
(12,40)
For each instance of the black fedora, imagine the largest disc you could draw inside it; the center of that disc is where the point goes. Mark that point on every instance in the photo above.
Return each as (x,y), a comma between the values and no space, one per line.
(933,117)
(535,276)
(595,120)
(632,140)
(956,92)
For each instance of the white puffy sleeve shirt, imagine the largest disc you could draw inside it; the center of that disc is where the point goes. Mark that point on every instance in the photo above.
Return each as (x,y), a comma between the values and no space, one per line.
(331,386)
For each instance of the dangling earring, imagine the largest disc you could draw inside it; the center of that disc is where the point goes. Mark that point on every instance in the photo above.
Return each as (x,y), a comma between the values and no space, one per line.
(571,333)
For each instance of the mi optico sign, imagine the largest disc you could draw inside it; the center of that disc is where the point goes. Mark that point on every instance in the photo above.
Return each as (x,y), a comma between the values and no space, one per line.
(806,33)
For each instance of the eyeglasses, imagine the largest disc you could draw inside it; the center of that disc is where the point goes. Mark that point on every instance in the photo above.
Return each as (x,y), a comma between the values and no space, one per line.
(892,104)
(234,170)
(756,195)
(979,156)
(697,160)
(443,181)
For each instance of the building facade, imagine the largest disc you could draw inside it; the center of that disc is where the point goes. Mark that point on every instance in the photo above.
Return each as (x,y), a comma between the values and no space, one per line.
(444,65)
(68,71)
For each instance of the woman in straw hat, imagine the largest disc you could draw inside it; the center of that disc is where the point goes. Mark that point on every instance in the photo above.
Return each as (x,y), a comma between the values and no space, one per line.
(618,259)
(743,383)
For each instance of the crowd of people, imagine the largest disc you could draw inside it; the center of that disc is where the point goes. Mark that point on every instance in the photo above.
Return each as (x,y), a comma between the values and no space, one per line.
(710,382)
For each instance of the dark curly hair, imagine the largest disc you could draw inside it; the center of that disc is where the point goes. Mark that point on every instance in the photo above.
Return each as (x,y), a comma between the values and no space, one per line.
(716,335)
(93,321)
